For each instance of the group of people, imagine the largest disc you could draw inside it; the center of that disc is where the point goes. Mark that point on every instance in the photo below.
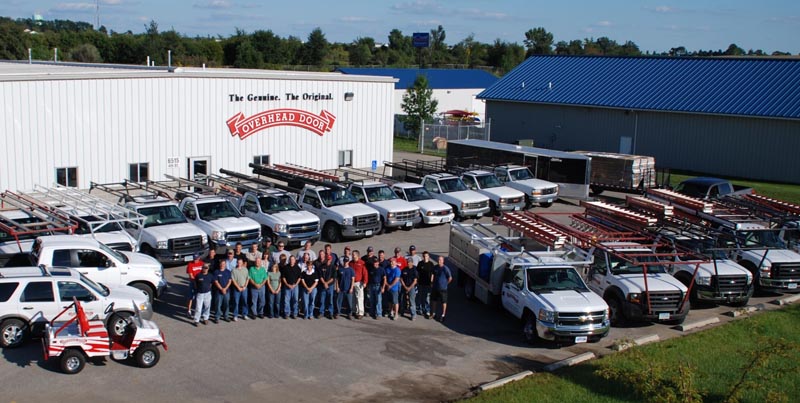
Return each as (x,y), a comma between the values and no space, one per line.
(267,281)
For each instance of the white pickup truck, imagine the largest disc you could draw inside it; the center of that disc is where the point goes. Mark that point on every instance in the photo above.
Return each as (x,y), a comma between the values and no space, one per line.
(166,234)
(543,289)
(281,218)
(341,215)
(452,190)
(501,198)
(536,190)
(395,212)
(221,221)
(433,211)
(95,260)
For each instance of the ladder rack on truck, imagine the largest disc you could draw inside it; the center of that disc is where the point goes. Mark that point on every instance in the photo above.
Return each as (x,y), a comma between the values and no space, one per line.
(128,191)
(255,181)
(178,188)
(296,177)
(42,219)
(777,211)
(414,170)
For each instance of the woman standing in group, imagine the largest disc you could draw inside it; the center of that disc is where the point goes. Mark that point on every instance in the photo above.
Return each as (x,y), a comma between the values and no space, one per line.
(308,281)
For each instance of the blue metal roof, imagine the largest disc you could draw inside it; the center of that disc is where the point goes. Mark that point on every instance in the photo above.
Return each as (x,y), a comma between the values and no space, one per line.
(437,78)
(765,87)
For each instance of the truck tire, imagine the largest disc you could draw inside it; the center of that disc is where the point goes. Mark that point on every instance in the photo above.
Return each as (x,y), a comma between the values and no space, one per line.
(545,204)
(72,361)
(382,229)
(529,328)
(469,288)
(147,289)
(596,190)
(332,232)
(13,333)
(755,272)
(118,324)
(617,317)
(146,356)
(456,213)
(493,210)
(147,250)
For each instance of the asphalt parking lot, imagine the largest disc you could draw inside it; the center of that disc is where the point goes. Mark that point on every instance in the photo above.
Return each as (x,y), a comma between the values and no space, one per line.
(319,360)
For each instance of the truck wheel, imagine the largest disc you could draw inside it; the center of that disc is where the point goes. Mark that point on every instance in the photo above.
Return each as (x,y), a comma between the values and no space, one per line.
(493,210)
(146,356)
(382,229)
(529,328)
(546,204)
(332,232)
(72,361)
(118,324)
(147,250)
(469,289)
(617,316)
(457,214)
(13,333)
(145,288)
(596,190)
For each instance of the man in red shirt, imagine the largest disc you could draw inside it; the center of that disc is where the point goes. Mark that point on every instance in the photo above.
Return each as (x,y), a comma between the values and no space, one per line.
(360,281)
(402,263)
(192,270)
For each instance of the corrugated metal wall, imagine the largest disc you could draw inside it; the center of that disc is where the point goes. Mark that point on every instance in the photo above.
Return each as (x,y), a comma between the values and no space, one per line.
(102,125)
(756,148)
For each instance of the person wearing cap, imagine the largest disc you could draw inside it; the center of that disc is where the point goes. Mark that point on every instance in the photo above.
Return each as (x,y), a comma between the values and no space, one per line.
(192,270)
(240,277)
(203,283)
(408,280)
(370,258)
(268,246)
(327,276)
(383,262)
(376,287)
(290,279)
(309,280)
(281,250)
(257,278)
(442,277)
(413,256)
(360,279)
(393,287)
(307,249)
(252,255)
(213,260)
(424,284)
(402,263)
(222,284)
(345,284)
(274,291)
(346,257)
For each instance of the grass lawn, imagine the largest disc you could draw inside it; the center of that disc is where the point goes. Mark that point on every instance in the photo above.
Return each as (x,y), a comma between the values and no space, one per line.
(412,146)
(714,359)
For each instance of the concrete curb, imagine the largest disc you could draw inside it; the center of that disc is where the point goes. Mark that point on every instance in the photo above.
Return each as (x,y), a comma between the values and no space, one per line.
(694,325)
(742,311)
(570,361)
(787,300)
(502,381)
(637,342)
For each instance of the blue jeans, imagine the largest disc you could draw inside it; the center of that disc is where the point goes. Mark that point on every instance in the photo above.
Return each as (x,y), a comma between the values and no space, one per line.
(424,297)
(409,297)
(273,304)
(290,301)
(257,300)
(202,306)
(239,298)
(339,300)
(308,301)
(325,298)
(223,302)
(375,300)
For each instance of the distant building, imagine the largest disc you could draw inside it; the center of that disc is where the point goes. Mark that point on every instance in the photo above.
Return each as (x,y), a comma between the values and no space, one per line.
(725,116)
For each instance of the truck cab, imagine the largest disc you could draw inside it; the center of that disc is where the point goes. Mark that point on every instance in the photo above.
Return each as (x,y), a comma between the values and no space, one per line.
(395,212)
(720,280)
(281,218)
(433,211)
(536,190)
(451,189)
(221,221)
(340,213)
(706,188)
(761,251)
(501,198)
(166,234)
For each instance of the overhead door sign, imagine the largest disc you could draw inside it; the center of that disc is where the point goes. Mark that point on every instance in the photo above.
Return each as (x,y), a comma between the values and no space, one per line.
(242,126)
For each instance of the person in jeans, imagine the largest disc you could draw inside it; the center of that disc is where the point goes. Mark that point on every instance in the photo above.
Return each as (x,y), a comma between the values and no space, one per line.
(257,276)
(393,287)
(361,277)
(309,280)
(442,277)
(192,270)
(408,280)
(345,283)
(290,279)
(241,278)
(222,283)
(376,287)
(326,271)
(424,284)
(203,283)
(274,291)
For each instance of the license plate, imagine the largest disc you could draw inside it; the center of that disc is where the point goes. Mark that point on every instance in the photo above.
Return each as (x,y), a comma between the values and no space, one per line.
(188,258)
(792,286)
(480,214)
(581,339)
(409,224)
(516,208)
(368,233)
(446,219)
(303,242)
(663,316)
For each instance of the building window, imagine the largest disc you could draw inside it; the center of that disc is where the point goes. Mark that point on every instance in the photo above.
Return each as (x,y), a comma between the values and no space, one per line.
(139,172)
(261,160)
(345,158)
(67,176)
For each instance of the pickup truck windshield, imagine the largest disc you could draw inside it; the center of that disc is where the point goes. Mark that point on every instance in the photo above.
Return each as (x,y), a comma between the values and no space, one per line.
(624,267)
(452,185)
(119,256)
(215,210)
(706,248)
(91,224)
(520,174)
(692,189)
(755,239)
(488,181)
(100,289)
(417,194)
(564,278)
(381,193)
(336,197)
(162,215)
(276,204)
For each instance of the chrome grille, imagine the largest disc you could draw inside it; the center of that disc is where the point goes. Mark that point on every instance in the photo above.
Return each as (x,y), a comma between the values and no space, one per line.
(304,228)
(511,200)
(665,301)
(441,212)
(478,205)
(242,236)
(549,191)
(406,215)
(366,221)
(580,318)
(185,245)
(785,271)
(730,284)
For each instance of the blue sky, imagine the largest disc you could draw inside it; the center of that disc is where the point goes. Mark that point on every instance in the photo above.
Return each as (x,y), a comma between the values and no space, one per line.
(654,25)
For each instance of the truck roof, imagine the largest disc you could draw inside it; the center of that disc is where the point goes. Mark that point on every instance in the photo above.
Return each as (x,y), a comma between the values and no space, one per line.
(478,172)
(72,241)
(369,184)
(37,271)
(704,180)
(442,175)
(509,166)
(406,185)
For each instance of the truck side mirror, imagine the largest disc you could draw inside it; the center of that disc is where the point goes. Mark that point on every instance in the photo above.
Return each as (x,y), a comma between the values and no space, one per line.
(109,263)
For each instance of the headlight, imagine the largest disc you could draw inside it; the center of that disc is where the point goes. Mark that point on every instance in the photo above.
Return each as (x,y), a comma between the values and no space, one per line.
(145,310)
(218,235)
(463,206)
(160,273)
(391,215)
(204,240)
(280,228)
(503,201)
(536,192)
(634,297)
(429,213)
(749,278)
(702,280)
(766,270)
(161,245)
(546,316)
(608,314)
(347,221)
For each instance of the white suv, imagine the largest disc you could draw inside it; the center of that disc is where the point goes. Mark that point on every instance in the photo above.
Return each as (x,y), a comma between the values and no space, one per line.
(33,296)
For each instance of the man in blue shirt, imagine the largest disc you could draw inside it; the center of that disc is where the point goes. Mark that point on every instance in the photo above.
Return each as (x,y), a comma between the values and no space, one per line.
(377,285)
(441,279)
(393,286)
(203,283)
(222,283)
(344,289)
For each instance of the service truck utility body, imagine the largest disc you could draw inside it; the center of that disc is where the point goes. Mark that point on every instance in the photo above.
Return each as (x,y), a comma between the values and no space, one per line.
(543,289)
(395,212)
(433,211)
(502,198)
(536,190)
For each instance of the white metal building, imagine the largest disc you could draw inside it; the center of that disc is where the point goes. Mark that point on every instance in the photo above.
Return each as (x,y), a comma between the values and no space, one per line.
(72,123)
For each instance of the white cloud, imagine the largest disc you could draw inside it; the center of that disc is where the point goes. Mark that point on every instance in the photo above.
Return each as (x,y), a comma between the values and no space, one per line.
(73,7)
(417,7)
(111,2)
(604,23)
(214,4)
(356,19)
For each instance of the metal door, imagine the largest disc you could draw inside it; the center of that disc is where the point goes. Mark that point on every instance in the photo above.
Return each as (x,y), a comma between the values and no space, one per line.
(198,166)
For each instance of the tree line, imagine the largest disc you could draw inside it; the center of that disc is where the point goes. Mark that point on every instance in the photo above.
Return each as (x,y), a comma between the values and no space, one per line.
(80,42)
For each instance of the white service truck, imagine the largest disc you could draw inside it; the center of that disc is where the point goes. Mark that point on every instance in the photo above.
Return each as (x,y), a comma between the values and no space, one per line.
(395,212)
(433,211)
(221,221)
(451,189)
(537,191)
(501,197)
(340,213)
(281,218)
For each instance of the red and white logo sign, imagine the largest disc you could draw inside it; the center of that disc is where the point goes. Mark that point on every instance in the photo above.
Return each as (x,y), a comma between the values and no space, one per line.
(243,127)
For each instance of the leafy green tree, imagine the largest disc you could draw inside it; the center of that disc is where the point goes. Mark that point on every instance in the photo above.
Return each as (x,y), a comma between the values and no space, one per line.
(316,48)
(247,57)
(85,53)
(418,104)
(11,44)
(734,50)
(538,42)
(271,47)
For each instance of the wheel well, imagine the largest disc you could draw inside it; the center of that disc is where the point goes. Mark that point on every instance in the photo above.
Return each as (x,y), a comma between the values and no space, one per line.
(684,277)
(20,318)
(614,292)
(526,312)
(148,285)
